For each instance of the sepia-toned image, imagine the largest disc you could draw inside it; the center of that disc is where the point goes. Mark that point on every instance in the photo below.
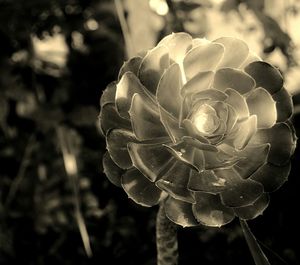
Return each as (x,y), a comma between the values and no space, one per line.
(149,132)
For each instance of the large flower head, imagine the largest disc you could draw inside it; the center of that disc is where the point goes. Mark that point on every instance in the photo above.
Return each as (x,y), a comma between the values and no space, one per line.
(202,125)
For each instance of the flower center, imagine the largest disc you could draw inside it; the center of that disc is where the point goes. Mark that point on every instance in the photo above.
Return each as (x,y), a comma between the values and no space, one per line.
(205,119)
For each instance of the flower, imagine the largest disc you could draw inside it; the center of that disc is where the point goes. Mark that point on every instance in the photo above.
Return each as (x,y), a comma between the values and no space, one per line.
(202,125)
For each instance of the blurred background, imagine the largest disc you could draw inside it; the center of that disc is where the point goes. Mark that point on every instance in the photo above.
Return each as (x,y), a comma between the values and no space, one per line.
(56,58)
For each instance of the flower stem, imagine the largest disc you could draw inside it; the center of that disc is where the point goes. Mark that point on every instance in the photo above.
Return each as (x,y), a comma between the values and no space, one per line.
(166,239)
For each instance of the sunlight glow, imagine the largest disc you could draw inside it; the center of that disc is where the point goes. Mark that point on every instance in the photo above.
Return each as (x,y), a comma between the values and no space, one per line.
(159,6)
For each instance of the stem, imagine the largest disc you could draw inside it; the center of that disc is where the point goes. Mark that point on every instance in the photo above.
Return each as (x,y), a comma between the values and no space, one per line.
(166,239)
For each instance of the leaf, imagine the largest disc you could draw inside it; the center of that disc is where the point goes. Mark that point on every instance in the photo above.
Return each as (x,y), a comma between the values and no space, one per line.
(255,249)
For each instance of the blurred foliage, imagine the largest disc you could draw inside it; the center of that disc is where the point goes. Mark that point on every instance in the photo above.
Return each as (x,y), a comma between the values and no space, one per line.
(55,59)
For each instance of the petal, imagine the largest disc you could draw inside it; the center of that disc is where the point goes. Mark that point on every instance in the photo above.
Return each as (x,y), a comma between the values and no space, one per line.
(252,57)
(126,88)
(206,181)
(220,159)
(210,211)
(246,129)
(187,154)
(193,132)
(261,104)
(145,118)
(175,182)
(168,91)
(109,94)
(111,170)
(199,145)
(236,52)
(233,78)
(266,76)
(153,66)
(255,157)
(238,103)
(212,94)
(231,119)
(239,192)
(180,212)
(132,65)
(202,58)
(116,142)
(272,177)
(178,45)
(172,126)
(201,81)
(281,140)
(149,159)
(252,211)
(110,119)
(284,104)
(140,189)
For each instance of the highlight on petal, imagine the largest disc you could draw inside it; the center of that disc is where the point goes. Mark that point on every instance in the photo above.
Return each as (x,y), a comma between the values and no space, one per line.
(236,52)
(272,177)
(238,103)
(201,81)
(168,91)
(252,211)
(175,182)
(284,104)
(233,78)
(266,76)
(132,65)
(193,132)
(149,159)
(239,192)
(180,212)
(261,104)
(206,181)
(145,118)
(126,88)
(202,58)
(116,142)
(111,170)
(178,44)
(109,94)
(282,144)
(140,189)
(210,211)
(153,66)
(255,157)
(110,119)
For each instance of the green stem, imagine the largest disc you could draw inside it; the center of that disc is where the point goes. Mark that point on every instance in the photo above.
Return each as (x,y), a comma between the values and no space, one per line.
(166,239)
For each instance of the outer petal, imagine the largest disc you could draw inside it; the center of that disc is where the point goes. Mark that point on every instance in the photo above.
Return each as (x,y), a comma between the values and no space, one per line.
(238,103)
(126,88)
(284,104)
(233,78)
(261,104)
(168,91)
(210,211)
(202,58)
(180,212)
(266,76)
(149,159)
(252,57)
(111,170)
(175,182)
(254,210)
(281,140)
(145,119)
(239,192)
(178,44)
(132,65)
(110,119)
(153,66)
(272,177)
(116,142)
(140,189)
(255,157)
(236,52)
(109,94)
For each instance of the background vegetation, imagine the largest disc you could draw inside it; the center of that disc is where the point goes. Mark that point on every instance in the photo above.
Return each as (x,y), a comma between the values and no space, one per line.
(56,58)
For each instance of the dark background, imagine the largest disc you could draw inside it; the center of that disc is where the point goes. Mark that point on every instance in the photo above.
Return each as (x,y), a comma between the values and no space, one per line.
(41,96)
